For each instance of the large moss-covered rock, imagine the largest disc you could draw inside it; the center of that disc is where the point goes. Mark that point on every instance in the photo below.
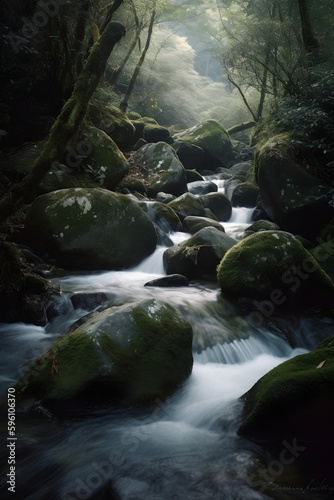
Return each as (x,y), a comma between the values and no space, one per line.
(218,204)
(133,354)
(245,195)
(293,198)
(156,133)
(114,122)
(190,155)
(271,269)
(292,407)
(193,224)
(93,152)
(164,170)
(198,257)
(214,140)
(189,204)
(90,229)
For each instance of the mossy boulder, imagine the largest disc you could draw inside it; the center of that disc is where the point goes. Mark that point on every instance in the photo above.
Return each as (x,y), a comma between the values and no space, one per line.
(164,170)
(131,354)
(156,133)
(218,204)
(190,155)
(114,122)
(90,228)
(291,196)
(188,204)
(198,257)
(94,153)
(54,180)
(214,140)
(164,219)
(261,225)
(271,270)
(294,404)
(245,195)
(193,224)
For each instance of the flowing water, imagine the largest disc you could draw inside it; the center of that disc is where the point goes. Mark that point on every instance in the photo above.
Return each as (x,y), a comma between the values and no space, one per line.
(184,448)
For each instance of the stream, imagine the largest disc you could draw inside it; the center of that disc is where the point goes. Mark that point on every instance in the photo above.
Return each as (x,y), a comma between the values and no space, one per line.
(184,448)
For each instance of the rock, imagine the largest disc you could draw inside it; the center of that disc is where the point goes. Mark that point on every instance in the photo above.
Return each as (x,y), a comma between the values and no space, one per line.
(93,152)
(187,204)
(270,271)
(91,300)
(164,197)
(90,228)
(115,124)
(214,140)
(202,187)
(193,176)
(240,167)
(54,180)
(218,204)
(164,170)
(173,280)
(198,257)
(131,354)
(230,186)
(261,225)
(193,224)
(293,406)
(190,155)
(156,133)
(293,198)
(133,185)
(164,219)
(245,195)
(324,255)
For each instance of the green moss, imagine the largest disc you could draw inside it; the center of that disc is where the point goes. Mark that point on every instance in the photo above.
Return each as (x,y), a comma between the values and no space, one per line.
(290,385)
(267,261)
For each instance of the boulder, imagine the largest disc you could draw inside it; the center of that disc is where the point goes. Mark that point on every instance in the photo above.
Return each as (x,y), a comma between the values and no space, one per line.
(214,140)
(190,204)
(293,198)
(156,133)
(240,167)
(230,186)
(198,257)
(193,176)
(94,153)
(90,228)
(132,354)
(164,219)
(173,280)
(202,187)
(271,270)
(54,180)
(193,224)
(261,225)
(218,204)
(164,170)
(114,123)
(291,408)
(190,155)
(245,195)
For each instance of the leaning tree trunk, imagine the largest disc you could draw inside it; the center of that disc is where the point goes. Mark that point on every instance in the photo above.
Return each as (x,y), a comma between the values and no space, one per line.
(124,104)
(311,45)
(67,123)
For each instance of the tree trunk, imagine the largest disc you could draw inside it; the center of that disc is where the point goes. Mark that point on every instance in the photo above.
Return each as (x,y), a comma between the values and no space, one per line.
(124,104)
(241,127)
(67,123)
(311,45)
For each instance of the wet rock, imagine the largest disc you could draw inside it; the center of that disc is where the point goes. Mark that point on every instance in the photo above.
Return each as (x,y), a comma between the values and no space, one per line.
(90,228)
(261,225)
(202,187)
(164,171)
(270,271)
(198,257)
(173,280)
(193,224)
(131,354)
(245,195)
(218,204)
(91,300)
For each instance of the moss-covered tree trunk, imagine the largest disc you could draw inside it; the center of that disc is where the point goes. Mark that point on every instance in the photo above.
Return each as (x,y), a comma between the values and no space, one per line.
(67,123)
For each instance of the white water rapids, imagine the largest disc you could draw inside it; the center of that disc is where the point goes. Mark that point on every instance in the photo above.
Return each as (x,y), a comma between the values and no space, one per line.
(185,448)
